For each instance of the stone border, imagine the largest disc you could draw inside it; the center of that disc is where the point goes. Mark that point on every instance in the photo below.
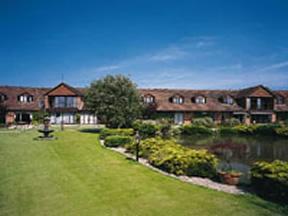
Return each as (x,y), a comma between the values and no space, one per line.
(204,182)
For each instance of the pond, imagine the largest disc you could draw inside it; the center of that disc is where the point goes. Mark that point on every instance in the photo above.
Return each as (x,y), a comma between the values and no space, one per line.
(240,152)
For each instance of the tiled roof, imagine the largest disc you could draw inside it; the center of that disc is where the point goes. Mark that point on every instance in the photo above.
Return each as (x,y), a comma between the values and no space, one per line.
(252,90)
(282,107)
(63,89)
(161,96)
(212,100)
(12,94)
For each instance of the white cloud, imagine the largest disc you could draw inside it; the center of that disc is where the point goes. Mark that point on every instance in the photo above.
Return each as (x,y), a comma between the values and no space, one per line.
(169,54)
(273,66)
(107,68)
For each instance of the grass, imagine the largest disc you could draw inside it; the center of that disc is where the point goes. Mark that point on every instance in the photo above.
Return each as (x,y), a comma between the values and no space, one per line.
(74,175)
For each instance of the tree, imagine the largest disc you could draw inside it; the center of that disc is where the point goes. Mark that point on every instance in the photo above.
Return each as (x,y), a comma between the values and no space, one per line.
(115,100)
(2,112)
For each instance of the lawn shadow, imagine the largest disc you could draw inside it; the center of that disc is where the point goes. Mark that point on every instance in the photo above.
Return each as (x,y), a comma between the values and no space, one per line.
(275,207)
(90,130)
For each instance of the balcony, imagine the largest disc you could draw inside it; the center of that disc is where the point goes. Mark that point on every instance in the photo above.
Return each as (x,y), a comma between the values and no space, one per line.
(62,102)
(261,104)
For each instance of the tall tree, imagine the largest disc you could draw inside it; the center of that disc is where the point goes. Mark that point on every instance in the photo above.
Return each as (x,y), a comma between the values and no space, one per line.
(115,100)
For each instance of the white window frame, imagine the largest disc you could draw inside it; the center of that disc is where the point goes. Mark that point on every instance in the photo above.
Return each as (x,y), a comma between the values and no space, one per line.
(200,100)
(148,99)
(177,99)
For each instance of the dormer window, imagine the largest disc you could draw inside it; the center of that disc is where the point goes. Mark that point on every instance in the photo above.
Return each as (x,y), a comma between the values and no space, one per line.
(148,99)
(199,100)
(280,100)
(3,97)
(25,98)
(227,100)
(177,99)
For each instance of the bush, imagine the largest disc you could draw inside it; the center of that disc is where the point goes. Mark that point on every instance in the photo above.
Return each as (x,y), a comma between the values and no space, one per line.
(270,180)
(116,141)
(165,128)
(282,131)
(227,130)
(231,122)
(245,129)
(174,158)
(146,129)
(175,131)
(205,122)
(121,132)
(38,117)
(195,130)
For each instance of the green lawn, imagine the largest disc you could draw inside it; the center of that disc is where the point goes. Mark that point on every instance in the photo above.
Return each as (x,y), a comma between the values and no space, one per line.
(74,175)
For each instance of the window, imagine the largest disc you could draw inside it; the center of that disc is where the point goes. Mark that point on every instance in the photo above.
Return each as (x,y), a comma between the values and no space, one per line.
(70,102)
(228,100)
(200,100)
(64,102)
(280,100)
(3,97)
(259,102)
(25,98)
(148,99)
(177,99)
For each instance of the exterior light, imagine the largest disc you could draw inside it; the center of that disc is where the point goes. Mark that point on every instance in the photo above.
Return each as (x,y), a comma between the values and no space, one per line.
(137,139)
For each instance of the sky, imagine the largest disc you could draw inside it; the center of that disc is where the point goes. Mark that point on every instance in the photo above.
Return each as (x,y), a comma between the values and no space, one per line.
(197,44)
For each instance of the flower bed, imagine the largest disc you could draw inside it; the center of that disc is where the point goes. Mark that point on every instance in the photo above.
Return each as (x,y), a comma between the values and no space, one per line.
(174,158)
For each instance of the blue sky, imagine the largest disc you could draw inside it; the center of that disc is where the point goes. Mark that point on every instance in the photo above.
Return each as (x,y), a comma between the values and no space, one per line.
(169,44)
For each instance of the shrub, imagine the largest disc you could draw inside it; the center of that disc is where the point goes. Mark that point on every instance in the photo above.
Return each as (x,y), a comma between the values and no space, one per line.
(165,128)
(231,122)
(227,130)
(116,140)
(192,130)
(175,131)
(174,158)
(121,132)
(270,180)
(38,117)
(201,163)
(245,129)
(146,129)
(282,131)
(205,122)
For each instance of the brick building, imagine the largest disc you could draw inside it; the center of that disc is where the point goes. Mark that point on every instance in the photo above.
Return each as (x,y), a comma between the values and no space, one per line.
(65,103)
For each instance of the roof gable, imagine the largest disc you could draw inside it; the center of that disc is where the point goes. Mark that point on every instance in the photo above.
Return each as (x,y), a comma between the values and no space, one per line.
(261,92)
(63,90)
(257,91)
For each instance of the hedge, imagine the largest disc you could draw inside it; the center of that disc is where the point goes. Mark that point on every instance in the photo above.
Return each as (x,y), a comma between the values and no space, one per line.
(116,140)
(174,158)
(195,130)
(231,122)
(203,121)
(270,130)
(282,131)
(146,129)
(270,180)
(121,132)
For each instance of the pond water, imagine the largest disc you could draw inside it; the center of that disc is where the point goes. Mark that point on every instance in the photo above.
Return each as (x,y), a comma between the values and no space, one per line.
(240,152)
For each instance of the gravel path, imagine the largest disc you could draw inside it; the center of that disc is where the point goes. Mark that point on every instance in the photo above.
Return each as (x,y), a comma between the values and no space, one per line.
(205,182)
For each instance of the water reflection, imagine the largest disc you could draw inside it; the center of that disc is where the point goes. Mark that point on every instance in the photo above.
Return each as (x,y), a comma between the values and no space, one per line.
(240,151)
